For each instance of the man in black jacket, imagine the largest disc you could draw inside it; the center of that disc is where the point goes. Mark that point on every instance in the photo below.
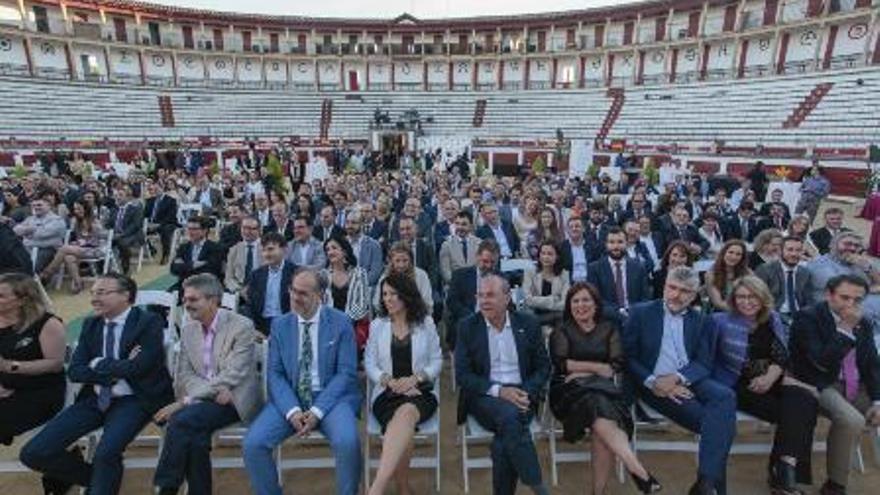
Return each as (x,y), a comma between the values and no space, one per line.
(127,223)
(198,255)
(266,293)
(832,350)
(15,257)
(161,211)
(822,236)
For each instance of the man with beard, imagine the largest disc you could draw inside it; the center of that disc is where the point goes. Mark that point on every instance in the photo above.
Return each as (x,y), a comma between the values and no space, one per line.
(787,279)
(847,257)
(622,281)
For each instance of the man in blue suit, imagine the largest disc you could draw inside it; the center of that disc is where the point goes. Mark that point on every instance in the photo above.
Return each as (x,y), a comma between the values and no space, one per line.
(622,281)
(669,350)
(366,249)
(312,376)
(461,298)
(502,368)
(120,361)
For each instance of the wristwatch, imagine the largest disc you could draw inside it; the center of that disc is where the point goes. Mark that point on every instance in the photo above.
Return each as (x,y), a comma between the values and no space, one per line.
(13,366)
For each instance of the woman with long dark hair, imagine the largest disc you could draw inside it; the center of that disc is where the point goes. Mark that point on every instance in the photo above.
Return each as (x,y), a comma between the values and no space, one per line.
(731,263)
(547,230)
(87,240)
(585,390)
(546,285)
(677,253)
(402,360)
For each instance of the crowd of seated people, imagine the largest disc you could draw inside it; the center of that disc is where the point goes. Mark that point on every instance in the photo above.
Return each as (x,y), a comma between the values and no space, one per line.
(668,295)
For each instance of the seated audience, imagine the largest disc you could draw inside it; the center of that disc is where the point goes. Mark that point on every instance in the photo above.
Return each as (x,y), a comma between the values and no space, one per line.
(822,236)
(676,254)
(32,348)
(575,253)
(161,213)
(459,250)
(16,258)
(244,257)
(424,256)
(545,286)
(766,248)
(751,359)
(400,260)
(120,361)
(367,250)
(799,227)
(622,281)
(586,391)
(230,234)
(280,222)
(547,230)
(403,360)
(502,367)
(305,251)
(216,382)
(348,289)
(743,225)
(635,248)
(833,353)
(710,231)
(814,187)
(682,230)
(312,381)
(461,297)
(847,257)
(127,222)
(501,232)
(327,226)
(668,349)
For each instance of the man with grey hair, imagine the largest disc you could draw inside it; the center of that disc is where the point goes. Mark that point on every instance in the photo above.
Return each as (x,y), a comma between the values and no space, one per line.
(846,257)
(669,352)
(215,383)
(502,369)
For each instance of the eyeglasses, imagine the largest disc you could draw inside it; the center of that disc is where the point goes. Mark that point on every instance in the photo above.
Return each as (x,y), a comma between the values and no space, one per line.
(746,297)
(102,293)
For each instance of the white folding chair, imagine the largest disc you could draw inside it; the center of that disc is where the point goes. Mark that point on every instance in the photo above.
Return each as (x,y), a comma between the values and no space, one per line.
(229,301)
(108,260)
(428,432)
(145,250)
(472,432)
(659,423)
(42,289)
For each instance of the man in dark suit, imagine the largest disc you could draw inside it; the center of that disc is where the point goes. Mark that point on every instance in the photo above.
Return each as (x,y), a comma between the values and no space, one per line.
(670,356)
(622,281)
(412,208)
(230,234)
(373,227)
(198,255)
(502,368)
(638,207)
(503,233)
(787,280)
(266,292)
(682,229)
(822,236)
(635,248)
(161,211)
(833,349)
(16,258)
(775,220)
(423,252)
(327,227)
(776,199)
(743,225)
(127,223)
(120,361)
(461,297)
(281,222)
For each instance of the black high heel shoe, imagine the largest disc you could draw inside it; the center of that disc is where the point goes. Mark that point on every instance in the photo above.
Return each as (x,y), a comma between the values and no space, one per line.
(650,485)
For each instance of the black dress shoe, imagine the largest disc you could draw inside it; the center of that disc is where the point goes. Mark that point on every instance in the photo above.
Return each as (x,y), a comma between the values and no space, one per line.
(54,486)
(702,487)
(783,480)
(650,485)
(167,491)
(832,488)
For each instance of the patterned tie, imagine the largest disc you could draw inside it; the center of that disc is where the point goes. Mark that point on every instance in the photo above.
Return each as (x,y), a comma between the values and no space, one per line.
(618,284)
(850,373)
(249,263)
(304,387)
(106,392)
(789,291)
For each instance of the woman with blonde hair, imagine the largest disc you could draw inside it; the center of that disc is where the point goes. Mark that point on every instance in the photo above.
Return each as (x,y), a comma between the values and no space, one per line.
(32,347)
(751,358)
(400,260)
(767,248)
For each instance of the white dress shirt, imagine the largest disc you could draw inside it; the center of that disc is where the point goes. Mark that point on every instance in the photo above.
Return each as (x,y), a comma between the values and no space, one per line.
(316,376)
(121,387)
(503,357)
(578,262)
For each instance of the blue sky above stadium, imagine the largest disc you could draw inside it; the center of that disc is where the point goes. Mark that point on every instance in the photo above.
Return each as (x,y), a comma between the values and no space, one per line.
(391,8)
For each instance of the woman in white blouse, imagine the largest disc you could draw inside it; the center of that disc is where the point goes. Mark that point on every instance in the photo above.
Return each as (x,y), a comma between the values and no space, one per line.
(403,360)
(545,287)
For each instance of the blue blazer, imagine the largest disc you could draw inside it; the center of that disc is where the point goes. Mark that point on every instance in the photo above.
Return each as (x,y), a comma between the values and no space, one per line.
(643,334)
(256,292)
(337,359)
(485,232)
(370,259)
(147,373)
(638,288)
(473,366)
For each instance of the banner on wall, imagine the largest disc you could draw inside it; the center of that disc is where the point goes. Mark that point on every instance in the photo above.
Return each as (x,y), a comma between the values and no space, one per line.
(581,157)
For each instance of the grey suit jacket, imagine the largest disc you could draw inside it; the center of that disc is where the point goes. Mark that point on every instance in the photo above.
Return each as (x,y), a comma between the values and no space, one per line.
(314,256)
(235,263)
(370,259)
(773,275)
(451,257)
(234,363)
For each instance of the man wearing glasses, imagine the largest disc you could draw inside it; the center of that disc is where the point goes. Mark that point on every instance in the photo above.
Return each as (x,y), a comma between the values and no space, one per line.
(120,361)
(847,257)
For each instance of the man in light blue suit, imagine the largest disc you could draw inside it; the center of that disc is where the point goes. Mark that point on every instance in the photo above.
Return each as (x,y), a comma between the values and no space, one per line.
(367,250)
(312,385)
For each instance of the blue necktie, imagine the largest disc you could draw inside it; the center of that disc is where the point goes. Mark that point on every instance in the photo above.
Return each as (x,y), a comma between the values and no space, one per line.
(106,393)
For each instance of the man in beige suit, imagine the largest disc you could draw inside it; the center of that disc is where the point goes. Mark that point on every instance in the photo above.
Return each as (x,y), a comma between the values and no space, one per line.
(237,266)
(216,384)
(460,248)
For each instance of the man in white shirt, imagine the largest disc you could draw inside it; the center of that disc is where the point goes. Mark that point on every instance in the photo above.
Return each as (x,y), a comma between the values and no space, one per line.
(500,389)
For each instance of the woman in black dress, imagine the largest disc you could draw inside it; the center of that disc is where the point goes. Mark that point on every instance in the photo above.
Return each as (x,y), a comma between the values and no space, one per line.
(585,392)
(402,360)
(32,345)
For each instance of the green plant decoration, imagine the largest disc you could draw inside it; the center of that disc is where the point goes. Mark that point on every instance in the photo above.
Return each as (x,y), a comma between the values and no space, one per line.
(480,166)
(19,172)
(539,166)
(651,174)
(593,170)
